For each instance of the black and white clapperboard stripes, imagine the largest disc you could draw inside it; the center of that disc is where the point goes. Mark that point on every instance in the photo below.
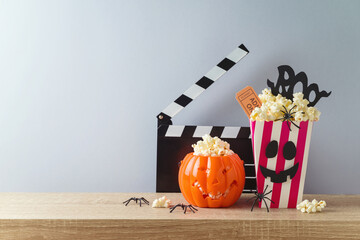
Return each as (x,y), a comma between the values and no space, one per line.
(174,141)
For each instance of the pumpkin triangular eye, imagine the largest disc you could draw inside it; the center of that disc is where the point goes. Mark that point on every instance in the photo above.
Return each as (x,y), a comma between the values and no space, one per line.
(271,149)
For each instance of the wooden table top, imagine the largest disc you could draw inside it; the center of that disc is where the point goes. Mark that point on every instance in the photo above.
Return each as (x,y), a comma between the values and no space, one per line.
(61,215)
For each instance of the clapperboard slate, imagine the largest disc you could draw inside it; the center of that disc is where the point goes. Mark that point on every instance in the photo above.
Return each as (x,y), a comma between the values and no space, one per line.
(174,142)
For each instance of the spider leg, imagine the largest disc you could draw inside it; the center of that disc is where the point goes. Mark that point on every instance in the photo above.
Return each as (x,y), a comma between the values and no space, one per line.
(294,124)
(282,111)
(145,201)
(140,201)
(285,109)
(280,119)
(185,208)
(252,207)
(292,108)
(267,193)
(267,208)
(265,189)
(128,201)
(188,207)
(172,209)
(269,200)
(251,198)
(191,206)
(288,125)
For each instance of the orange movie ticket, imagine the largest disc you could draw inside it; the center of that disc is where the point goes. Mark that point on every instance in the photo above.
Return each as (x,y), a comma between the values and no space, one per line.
(248,100)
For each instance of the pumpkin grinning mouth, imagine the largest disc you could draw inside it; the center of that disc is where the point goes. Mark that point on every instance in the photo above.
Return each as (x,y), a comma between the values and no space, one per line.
(214,196)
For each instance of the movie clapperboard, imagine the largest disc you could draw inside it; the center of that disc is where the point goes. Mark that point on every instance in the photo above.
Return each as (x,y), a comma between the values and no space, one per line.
(174,141)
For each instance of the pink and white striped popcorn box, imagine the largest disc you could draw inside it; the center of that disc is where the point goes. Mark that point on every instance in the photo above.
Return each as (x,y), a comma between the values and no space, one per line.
(281,157)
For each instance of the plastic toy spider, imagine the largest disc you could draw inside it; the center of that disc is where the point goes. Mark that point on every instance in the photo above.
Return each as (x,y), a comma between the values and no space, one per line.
(136,200)
(261,197)
(184,207)
(288,117)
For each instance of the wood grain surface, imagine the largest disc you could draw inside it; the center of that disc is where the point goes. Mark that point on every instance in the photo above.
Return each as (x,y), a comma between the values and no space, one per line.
(104,216)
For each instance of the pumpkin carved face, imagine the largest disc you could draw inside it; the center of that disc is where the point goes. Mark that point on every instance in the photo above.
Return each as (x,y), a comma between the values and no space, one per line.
(211,181)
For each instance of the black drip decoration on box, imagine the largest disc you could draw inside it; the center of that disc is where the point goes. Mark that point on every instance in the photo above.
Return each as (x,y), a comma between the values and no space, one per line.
(285,86)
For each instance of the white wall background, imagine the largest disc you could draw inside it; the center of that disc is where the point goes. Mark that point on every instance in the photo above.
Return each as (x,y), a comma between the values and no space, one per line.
(82,81)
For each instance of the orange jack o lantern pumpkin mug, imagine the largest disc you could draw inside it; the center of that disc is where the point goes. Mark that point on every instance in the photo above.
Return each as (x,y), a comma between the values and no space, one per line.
(212,181)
